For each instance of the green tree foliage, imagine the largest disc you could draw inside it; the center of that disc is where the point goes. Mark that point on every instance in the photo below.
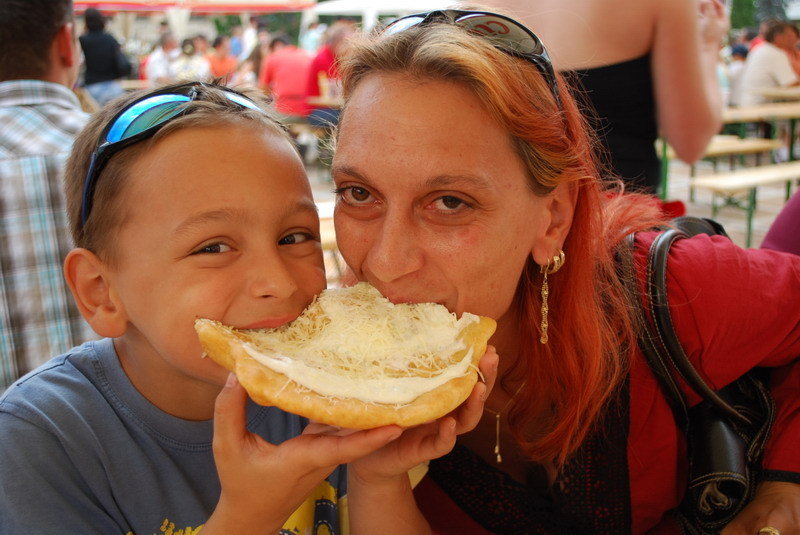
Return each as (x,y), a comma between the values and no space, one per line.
(743,14)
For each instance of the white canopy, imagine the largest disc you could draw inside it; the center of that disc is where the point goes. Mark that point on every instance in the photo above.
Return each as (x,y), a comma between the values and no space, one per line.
(370,10)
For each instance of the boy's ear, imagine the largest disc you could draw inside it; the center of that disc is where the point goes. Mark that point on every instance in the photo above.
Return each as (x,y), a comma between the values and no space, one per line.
(560,210)
(88,278)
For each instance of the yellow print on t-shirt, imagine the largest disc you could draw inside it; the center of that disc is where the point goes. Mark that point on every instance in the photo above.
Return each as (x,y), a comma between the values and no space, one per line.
(323,513)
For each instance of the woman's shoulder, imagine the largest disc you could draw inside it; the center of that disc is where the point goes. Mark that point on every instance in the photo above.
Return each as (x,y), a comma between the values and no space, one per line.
(704,253)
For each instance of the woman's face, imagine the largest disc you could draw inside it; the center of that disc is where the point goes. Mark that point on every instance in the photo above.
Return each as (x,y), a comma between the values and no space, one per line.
(433,202)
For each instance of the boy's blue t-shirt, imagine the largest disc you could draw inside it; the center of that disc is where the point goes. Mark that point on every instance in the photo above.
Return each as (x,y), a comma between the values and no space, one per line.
(81,451)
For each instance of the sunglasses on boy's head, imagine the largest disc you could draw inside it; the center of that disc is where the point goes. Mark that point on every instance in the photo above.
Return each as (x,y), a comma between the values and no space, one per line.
(140,120)
(503,32)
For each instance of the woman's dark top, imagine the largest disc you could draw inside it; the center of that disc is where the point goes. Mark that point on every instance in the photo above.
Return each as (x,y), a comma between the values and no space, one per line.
(622,95)
(590,497)
(103,57)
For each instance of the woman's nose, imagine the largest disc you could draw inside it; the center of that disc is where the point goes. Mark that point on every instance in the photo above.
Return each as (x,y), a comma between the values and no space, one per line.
(395,251)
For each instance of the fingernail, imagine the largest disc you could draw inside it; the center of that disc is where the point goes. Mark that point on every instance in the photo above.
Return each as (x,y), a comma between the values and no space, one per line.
(231,380)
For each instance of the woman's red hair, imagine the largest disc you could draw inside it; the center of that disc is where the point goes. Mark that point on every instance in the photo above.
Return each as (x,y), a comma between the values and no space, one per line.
(569,380)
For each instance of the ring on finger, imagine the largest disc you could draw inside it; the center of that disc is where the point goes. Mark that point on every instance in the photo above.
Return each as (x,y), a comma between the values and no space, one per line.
(769,530)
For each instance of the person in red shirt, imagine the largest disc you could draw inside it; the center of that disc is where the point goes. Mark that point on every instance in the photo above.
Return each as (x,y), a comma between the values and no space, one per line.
(323,76)
(284,74)
(222,62)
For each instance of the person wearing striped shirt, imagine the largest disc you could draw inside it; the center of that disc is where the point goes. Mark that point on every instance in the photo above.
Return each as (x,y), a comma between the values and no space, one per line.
(39,117)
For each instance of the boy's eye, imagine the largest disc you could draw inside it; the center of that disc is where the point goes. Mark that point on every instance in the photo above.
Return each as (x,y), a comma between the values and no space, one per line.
(353,194)
(295,237)
(213,248)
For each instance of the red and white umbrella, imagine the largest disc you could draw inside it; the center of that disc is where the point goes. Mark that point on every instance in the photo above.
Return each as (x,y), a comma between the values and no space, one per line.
(197,6)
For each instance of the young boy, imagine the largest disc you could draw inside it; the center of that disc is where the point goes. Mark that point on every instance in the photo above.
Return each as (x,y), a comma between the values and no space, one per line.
(187,202)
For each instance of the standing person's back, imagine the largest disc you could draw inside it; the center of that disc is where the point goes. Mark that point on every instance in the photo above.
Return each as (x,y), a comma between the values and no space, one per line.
(285,74)
(105,62)
(39,117)
(647,66)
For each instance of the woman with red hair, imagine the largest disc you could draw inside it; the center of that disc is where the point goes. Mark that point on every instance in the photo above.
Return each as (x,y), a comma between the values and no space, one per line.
(465,175)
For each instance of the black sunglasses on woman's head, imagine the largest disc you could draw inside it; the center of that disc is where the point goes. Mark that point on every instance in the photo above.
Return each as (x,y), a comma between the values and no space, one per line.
(503,32)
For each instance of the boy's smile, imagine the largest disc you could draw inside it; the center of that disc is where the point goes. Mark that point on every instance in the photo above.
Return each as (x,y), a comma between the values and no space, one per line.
(220,223)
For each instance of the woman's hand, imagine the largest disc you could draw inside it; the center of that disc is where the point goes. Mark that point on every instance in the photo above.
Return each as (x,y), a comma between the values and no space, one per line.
(431,440)
(776,504)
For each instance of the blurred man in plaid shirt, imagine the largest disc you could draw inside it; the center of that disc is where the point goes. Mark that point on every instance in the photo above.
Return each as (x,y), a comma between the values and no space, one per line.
(39,117)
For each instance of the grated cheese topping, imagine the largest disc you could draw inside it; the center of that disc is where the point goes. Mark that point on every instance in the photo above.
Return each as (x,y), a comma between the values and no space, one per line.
(353,342)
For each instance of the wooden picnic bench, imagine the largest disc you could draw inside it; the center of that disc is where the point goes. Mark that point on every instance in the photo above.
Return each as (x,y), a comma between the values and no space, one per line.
(729,184)
(720,146)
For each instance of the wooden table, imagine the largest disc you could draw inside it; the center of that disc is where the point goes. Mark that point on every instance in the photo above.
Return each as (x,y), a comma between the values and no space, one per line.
(766,113)
(720,145)
(761,112)
(780,93)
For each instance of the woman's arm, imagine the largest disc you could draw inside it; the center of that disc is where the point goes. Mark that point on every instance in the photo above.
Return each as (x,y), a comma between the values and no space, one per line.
(379,494)
(686,45)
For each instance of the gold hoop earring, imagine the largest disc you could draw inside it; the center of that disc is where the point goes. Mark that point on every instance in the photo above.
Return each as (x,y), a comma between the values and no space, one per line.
(553,265)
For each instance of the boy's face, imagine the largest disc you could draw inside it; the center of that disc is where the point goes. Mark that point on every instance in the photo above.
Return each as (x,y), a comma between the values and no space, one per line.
(219,223)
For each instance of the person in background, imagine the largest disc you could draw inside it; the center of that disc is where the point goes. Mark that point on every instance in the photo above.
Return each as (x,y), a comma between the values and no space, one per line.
(249,70)
(158,69)
(190,65)
(223,64)
(104,60)
(784,233)
(323,74)
(311,38)
(163,27)
(734,71)
(39,118)
(760,37)
(236,41)
(648,70)
(250,39)
(284,75)
(770,65)
(465,174)
(201,44)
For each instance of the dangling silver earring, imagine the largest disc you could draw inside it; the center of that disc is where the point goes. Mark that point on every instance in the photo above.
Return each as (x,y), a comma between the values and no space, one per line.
(552,266)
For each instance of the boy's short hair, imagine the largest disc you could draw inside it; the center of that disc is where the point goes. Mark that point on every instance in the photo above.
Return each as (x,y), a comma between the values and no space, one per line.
(210,108)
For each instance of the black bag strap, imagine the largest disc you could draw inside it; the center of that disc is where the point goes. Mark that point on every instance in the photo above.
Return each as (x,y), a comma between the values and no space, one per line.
(657,338)
(650,342)
(659,308)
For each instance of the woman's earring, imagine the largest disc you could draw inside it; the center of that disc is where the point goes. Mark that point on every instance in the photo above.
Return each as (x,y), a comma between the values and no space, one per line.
(552,266)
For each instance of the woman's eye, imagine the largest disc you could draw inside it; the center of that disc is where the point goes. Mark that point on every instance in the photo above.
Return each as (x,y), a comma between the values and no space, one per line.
(295,237)
(449,203)
(213,248)
(353,194)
